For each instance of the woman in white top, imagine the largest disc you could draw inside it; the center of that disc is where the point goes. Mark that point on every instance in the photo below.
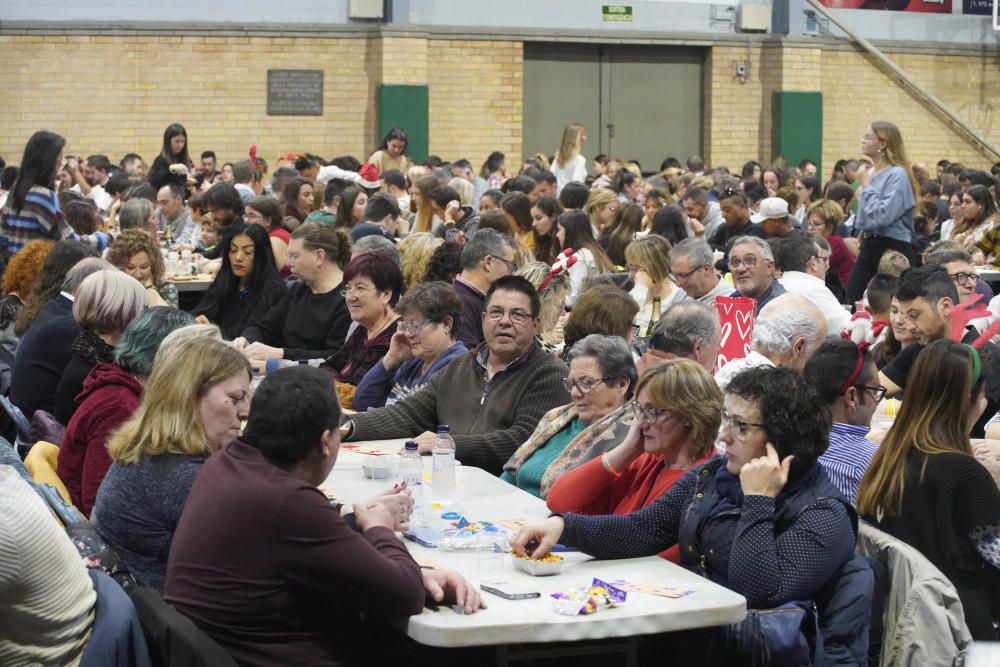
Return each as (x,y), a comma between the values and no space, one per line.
(569,165)
(573,231)
(649,265)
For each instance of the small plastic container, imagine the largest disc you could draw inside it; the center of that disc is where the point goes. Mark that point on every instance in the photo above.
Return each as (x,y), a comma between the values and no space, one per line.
(380,467)
(548,566)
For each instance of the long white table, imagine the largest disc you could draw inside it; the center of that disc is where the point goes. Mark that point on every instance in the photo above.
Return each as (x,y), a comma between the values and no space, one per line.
(481,496)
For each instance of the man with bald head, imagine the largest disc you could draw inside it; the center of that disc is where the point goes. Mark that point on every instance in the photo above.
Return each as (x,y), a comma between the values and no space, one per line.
(787,331)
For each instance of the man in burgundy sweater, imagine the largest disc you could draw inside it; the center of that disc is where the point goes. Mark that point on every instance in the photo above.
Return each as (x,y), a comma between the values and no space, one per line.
(267,567)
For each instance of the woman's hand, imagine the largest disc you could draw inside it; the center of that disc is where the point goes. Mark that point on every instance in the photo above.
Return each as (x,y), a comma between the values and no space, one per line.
(628,451)
(557,333)
(453,211)
(261,351)
(765,476)
(537,539)
(399,352)
(642,278)
(865,175)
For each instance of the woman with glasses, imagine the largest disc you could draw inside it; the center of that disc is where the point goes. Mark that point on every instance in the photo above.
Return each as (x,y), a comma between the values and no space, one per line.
(764,520)
(822,218)
(648,262)
(676,418)
(373,284)
(925,487)
(423,344)
(601,379)
(311,320)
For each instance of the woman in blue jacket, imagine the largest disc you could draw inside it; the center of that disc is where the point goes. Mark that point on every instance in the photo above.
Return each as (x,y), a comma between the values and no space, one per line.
(423,344)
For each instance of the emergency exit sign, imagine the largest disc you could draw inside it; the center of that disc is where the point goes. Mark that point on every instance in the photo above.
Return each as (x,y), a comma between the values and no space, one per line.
(616,13)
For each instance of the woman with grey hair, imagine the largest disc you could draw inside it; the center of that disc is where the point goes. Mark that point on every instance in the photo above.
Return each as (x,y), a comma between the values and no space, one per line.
(111,394)
(601,378)
(137,213)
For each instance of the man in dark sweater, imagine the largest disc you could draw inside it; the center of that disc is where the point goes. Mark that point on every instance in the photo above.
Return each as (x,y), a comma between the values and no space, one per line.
(492,398)
(736,212)
(46,347)
(486,256)
(298,584)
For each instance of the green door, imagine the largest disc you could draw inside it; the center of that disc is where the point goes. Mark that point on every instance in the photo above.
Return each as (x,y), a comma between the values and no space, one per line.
(637,102)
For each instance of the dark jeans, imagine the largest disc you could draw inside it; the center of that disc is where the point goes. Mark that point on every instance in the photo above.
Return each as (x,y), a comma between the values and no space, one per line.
(866,266)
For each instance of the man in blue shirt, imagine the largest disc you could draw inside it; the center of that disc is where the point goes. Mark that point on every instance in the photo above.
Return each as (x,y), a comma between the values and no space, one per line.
(847,380)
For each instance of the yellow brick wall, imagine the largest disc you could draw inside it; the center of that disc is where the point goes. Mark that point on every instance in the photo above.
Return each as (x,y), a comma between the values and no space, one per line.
(855,92)
(117,94)
(476,99)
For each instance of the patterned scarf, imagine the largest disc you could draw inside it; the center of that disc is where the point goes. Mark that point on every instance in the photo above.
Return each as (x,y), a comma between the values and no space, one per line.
(91,347)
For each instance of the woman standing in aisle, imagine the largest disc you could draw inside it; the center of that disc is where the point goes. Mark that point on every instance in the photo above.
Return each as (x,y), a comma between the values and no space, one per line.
(389,155)
(886,202)
(569,165)
(173,164)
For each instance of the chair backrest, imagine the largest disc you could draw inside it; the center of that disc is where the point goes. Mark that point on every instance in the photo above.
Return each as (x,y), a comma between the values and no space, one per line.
(174,640)
(20,421)
(116,639)
(924,623)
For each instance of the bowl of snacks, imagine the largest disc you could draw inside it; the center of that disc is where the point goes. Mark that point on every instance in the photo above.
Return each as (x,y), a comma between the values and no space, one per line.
(543,567)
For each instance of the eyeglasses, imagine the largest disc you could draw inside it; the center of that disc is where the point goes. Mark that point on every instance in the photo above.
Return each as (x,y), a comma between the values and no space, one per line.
(678,277)
(650,415)
(412,327)
(878,393)
(511,266)
(583,385)
(252,215)
(822,258)
(517,316)
(749,261)
(737,426)
(360,290)
(962,277)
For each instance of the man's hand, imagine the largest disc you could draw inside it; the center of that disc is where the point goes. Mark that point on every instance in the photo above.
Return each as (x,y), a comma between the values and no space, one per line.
(425,442)
(451,587)
(372,515)
(398,501)
(261,351)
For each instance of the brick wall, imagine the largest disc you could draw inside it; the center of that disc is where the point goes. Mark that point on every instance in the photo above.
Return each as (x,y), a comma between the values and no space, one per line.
(855,91)
(116,94)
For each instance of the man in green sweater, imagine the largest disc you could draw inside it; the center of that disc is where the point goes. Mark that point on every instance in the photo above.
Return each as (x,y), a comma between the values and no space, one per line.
(492,398)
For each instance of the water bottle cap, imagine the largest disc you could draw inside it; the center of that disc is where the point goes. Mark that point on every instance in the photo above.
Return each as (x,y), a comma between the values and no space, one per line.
(410,445)
(443,428)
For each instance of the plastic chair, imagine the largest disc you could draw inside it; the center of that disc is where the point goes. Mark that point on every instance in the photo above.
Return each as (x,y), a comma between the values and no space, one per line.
(173,639)
(22,426)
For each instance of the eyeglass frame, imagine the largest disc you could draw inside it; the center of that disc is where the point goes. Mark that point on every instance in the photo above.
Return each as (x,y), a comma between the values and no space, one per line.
(509,263)
(735,263)
(570,383)
(878,393)
(644,413)
(411,328)
(959,280)
(678,277)
(516,316)
(736,425)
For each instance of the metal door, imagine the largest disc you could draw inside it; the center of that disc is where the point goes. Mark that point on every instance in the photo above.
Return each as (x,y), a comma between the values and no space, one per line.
(637,103)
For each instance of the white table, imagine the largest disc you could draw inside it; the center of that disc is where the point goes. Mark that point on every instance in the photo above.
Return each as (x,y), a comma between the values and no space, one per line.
(481,496)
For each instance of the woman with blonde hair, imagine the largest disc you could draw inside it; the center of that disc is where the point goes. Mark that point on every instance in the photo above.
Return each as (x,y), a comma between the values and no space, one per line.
(194,403)
(925,487)
(416,250)
(823,217)
(569,164)
(677,412)
(464,189)
(420,197)
(553,290)
(649,264)
(887,200)
(602,204)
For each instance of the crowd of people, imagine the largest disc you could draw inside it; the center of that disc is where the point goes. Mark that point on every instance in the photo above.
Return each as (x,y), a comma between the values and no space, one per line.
(559,315)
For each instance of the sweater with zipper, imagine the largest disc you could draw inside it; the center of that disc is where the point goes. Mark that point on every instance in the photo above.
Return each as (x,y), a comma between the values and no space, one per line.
(488,419)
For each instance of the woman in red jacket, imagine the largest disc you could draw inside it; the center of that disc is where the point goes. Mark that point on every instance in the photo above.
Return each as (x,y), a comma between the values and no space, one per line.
(111,393)
(678,410)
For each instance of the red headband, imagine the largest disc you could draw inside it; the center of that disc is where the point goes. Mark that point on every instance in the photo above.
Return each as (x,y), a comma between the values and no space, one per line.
(852,378)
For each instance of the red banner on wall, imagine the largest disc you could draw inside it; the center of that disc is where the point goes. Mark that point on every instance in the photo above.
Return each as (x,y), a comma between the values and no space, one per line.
(736,315)
(925,6)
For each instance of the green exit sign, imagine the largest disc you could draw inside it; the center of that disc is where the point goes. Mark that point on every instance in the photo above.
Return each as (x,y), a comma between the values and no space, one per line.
(616,13)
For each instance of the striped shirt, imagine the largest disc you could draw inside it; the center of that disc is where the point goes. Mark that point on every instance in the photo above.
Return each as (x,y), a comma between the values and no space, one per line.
(39,218)
(846,459)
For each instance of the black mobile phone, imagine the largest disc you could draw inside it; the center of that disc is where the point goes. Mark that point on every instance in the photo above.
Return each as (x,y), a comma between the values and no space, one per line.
(509,591)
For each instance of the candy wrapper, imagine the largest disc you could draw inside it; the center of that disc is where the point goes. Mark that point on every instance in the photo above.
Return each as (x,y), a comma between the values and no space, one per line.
(475,535)
(588,600)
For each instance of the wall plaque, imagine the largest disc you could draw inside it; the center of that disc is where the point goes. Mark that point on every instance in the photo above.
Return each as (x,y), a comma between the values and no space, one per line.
(294,92)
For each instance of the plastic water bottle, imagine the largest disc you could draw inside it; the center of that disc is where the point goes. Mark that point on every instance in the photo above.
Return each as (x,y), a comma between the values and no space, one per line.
(443,479)
(411,471)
